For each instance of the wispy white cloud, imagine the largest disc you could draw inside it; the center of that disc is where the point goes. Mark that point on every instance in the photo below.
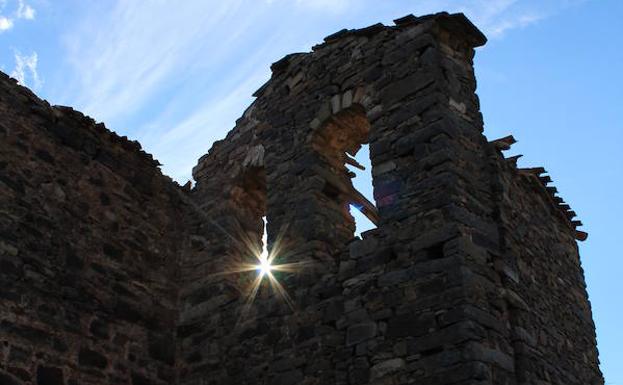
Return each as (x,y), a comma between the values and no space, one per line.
(333,6)
(497,17)
(193,135)
(170,73)
(25,11)
(25,70)
(499,28)
(5,24)
(178,76)
(123,59)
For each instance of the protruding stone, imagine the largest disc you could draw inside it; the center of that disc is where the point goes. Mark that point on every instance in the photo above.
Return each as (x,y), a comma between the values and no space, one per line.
(459,106)
(314,124)
(384,368)
(406,20)
(347,99)
(359,94)
(335,104)
(504,143)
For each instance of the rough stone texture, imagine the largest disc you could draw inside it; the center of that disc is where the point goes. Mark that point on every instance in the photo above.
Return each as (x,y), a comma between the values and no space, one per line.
(90,239)
(112,273)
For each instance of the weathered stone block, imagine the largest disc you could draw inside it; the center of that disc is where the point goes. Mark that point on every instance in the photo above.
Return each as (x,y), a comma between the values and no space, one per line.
(88,357)
(139,379)
(410,325)
(291,377)
(360,332)
(162,348)
(403,88)
(385,368)
(394,277)
(99,329)
(49,376)
(7,379)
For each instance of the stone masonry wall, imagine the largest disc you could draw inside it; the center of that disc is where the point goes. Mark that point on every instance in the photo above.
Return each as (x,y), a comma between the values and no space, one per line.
(89,248)
(424,297)
(111,273)
(541,275)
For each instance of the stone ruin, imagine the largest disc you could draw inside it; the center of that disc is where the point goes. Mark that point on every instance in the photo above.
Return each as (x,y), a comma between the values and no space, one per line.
(111,273)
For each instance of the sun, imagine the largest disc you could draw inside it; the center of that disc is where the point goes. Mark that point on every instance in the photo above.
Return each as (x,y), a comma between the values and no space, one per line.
(264,267)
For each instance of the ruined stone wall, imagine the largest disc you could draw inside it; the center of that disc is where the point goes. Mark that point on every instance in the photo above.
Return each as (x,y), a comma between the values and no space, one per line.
(111,273)
(541,276)
(423,298)
(419,299)
(89,246)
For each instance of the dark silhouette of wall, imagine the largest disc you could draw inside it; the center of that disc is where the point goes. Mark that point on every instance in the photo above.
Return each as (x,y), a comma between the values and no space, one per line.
(112,273)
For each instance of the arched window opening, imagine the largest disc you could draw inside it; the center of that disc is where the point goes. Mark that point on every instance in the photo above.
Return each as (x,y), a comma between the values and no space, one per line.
(339,141)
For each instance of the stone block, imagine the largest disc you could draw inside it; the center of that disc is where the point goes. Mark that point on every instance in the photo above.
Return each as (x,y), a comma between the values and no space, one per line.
(359,248)
(47,375)
(358,333)
(99,328)
(483,353)
(394,277)
(383,168)
(292,377)
(7,379)
(336,104)
(410,325)
(91,358)
(162,348)
(347,99)
(385,368)
(140,379)
(401,89)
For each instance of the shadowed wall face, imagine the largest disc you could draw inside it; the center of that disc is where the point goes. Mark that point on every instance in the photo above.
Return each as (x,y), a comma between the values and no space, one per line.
(90,241)
(471,277)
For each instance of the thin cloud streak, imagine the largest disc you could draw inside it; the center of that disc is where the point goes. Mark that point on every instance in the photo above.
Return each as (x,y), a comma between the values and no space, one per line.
(498,17)
(332,6)
(26,70)
(162,69)
(193,136)
(122,73)
(138,49)
(210,121)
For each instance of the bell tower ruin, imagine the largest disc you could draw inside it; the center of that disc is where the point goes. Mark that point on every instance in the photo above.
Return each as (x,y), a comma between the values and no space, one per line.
(112,273)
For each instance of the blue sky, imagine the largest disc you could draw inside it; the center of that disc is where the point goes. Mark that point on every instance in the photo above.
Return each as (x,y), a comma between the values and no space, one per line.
(176,74)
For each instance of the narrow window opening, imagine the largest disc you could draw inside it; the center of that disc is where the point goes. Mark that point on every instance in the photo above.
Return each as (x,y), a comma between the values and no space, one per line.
(343,144)
(264,253)
(249,197)
(362,182)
